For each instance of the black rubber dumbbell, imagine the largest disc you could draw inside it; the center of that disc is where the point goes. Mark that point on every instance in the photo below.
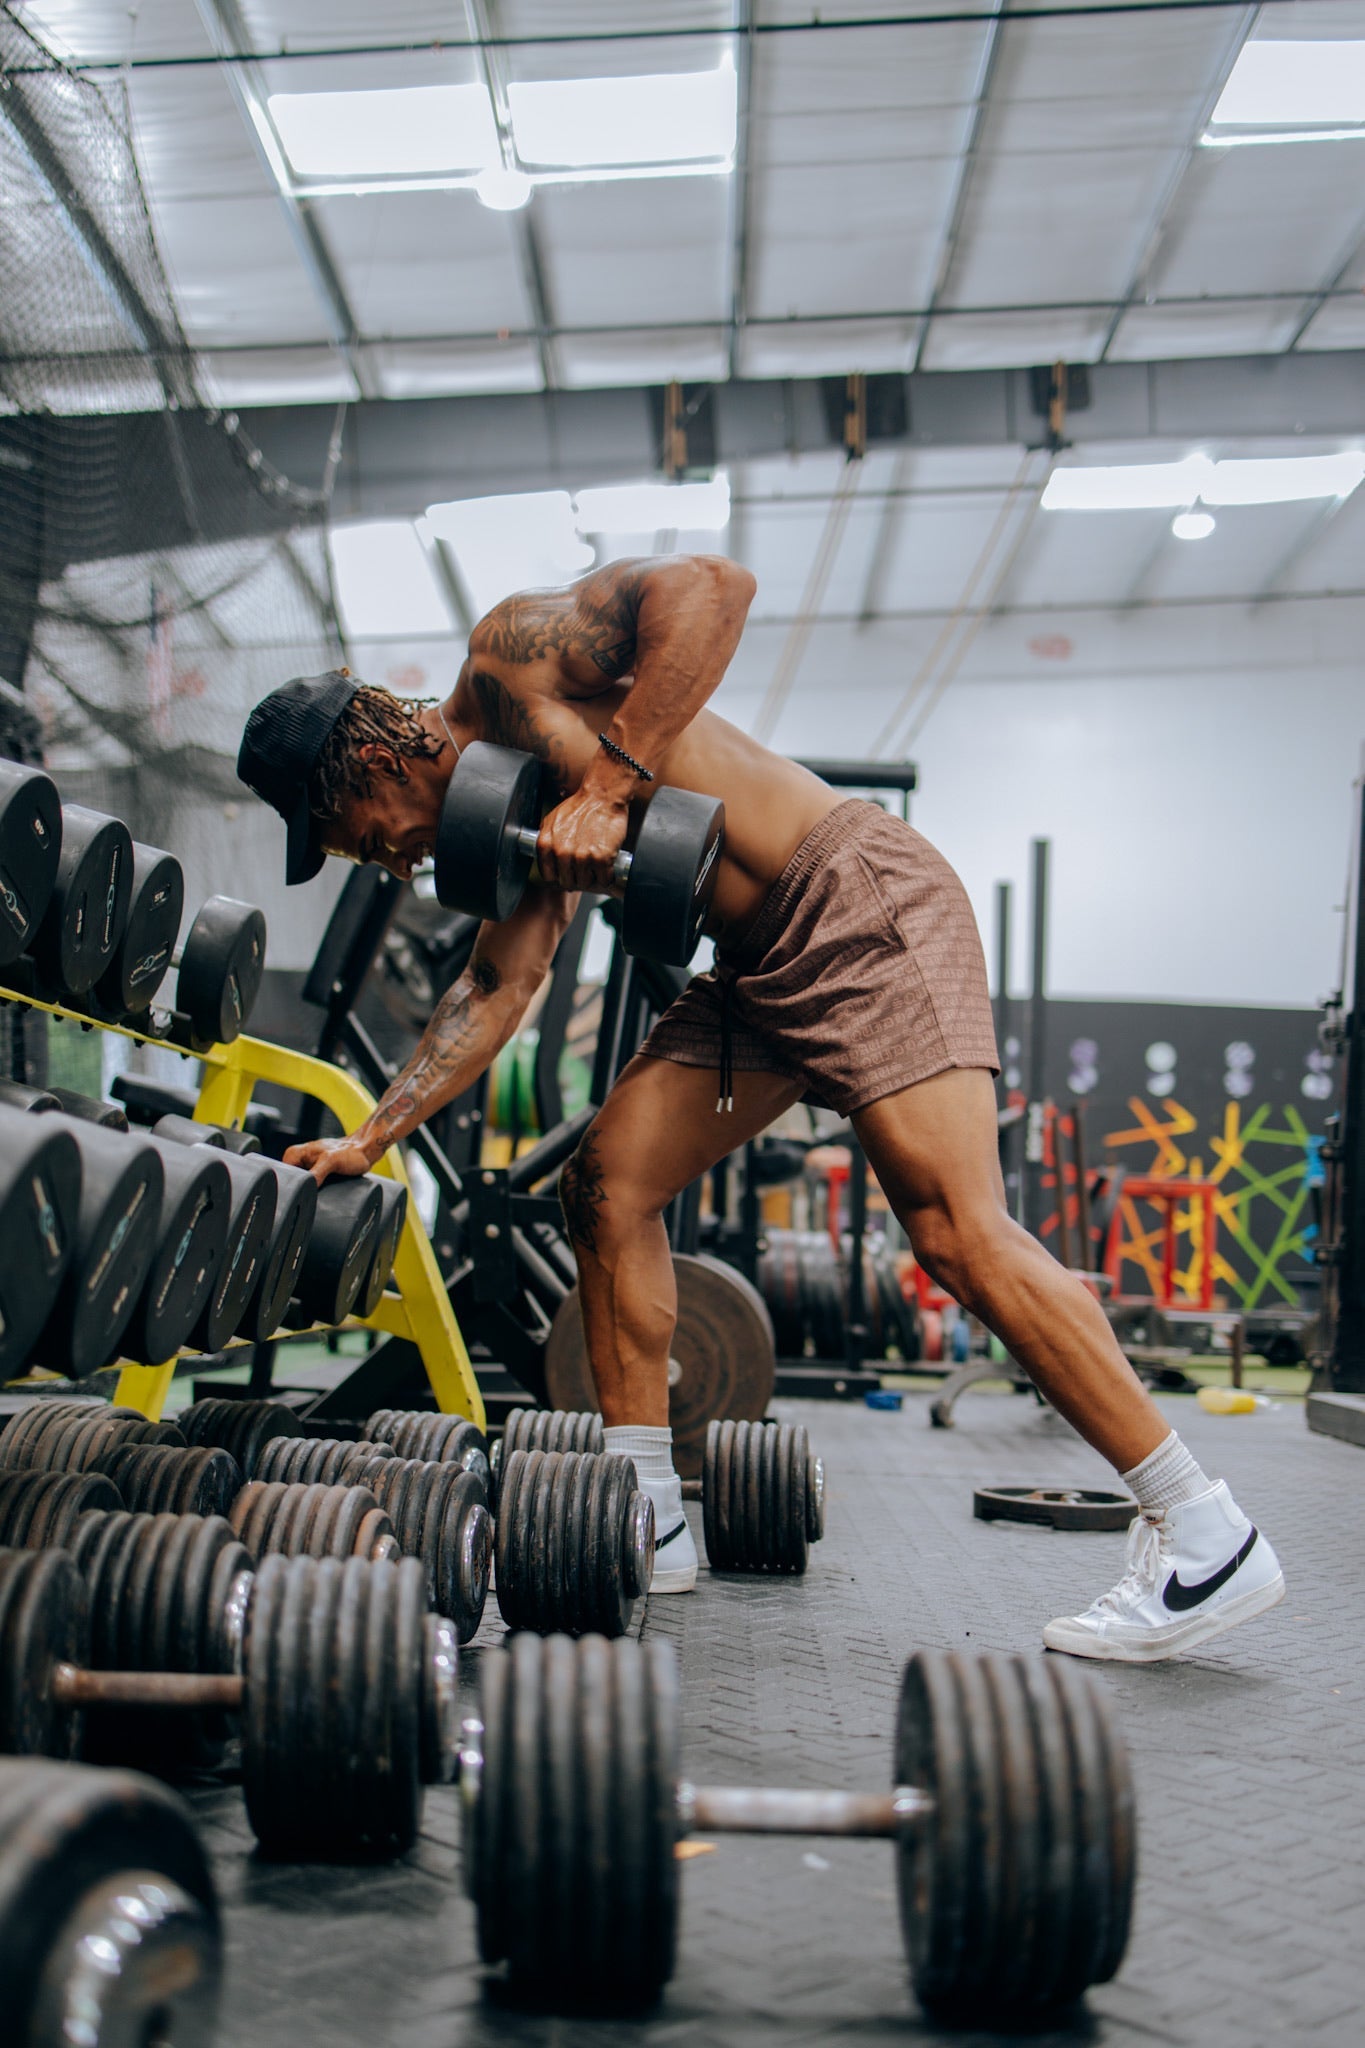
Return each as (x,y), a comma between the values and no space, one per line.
(115,1241)
(486,850)
(40,1192)
(356,1635)
(192,1246)
(439,1439)
(87,911)
(142,958)
(109,1920)
(251,1222)
(221,966)
(30,848)
(1011,1815)
(574,1543)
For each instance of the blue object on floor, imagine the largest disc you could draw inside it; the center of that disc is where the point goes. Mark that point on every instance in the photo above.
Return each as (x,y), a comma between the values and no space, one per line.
(883,1397)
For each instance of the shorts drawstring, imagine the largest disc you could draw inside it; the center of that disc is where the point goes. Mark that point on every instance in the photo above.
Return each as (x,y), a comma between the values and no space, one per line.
(725,1101)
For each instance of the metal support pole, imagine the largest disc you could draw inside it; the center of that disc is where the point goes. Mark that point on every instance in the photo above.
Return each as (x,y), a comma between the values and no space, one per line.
(750,1216)
(855,1321)
(735,1810)
(1347,1367)
(1089,1260)
(1037,1044)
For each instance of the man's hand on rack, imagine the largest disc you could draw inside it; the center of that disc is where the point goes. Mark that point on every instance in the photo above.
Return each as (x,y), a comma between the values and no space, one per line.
(325,1156)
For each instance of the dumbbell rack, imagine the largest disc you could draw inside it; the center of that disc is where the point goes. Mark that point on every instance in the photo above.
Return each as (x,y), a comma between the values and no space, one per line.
(419,1311)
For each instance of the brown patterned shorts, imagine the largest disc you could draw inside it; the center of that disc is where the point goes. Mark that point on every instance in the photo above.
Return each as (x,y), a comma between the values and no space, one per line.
(862,973)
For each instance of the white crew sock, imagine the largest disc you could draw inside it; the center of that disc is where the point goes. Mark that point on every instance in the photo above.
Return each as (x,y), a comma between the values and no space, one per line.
(1166,1477)
(651,1449)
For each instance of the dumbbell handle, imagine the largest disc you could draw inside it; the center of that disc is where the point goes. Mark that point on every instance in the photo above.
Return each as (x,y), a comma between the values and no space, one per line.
(73,1686)
(731,1810)
(529,843)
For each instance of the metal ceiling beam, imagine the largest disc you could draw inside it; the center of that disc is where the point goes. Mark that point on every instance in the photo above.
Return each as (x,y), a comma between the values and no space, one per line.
(226,30)
(1154,234)
(480,16)
(1289,561)
(407,454)
(1331,284)
(741,180)
(962,177)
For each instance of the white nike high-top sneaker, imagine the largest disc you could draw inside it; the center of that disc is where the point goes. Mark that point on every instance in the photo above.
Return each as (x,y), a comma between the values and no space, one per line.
(1192,1571)
(675,1552)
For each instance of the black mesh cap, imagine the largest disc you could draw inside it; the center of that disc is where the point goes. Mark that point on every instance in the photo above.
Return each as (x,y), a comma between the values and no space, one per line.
(279,751)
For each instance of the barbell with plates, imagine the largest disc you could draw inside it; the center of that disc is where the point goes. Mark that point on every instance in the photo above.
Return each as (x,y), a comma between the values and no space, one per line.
(242,1428)
(439,1439)
(87,911)
(109,1921)
(486,852)
(275,1518)
(163,1479)
(40,1192)
(141,959)
(722,1359)
(574,1543)
(762,1488)
(114,1242)
(344,1782)
(1011,1811)
(72,1436)
(30,848)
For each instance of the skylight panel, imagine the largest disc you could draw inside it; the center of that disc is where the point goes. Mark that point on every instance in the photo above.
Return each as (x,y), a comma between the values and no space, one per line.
(410,129)
(523,541)
(1129,487)
(1281,480)
(655,507)
(673,117)
(386,588)
(1294,85)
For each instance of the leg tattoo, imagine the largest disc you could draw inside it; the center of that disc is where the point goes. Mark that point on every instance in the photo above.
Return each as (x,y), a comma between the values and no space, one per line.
(582,1193)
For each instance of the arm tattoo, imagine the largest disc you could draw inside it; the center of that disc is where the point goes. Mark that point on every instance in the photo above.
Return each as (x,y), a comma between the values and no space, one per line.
(457,1024)
(582,1192)
(510,723)
(593,622)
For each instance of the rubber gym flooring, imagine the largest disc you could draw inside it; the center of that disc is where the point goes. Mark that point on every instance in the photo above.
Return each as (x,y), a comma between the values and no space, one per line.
(1249,1758)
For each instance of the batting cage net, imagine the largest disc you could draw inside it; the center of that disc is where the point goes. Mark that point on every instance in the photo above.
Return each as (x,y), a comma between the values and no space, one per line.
(156,577)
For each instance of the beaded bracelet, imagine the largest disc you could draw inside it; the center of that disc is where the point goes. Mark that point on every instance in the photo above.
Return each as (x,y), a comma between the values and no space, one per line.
(629,760)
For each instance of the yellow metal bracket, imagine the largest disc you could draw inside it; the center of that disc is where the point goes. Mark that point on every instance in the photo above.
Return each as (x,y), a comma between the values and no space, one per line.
(420,1310)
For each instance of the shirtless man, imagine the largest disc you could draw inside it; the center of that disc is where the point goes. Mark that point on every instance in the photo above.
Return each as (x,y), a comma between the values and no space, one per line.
(848,966)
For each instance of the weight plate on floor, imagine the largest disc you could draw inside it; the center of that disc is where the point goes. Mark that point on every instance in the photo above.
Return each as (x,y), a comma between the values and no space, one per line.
(239,1427)
(109,1927)
(142,957)
(1056,1507)
(440,1439)
(220,970)
(88,908)
(721,1363)
(30,848)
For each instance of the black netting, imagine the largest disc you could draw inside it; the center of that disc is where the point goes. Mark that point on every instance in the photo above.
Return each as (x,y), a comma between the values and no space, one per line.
(156,577)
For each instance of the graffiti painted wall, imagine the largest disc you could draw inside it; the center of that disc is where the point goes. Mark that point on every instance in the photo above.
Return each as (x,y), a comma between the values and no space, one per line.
(1232,1097)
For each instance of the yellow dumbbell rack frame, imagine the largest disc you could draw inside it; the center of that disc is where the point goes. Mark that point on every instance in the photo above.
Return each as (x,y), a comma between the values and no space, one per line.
(419,1311)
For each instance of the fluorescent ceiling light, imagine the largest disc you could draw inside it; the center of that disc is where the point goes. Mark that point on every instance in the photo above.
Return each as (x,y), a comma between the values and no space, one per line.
(519,542)
(503,189)
(655,507)
(1257,138)
(1152,486)
(416,129)
(675,117)
(386,587)
(1290,85)
(1281,480)
(1129,487)
(1193,525)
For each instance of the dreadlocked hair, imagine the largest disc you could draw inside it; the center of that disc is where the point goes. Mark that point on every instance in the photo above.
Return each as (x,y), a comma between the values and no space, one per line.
(374,718)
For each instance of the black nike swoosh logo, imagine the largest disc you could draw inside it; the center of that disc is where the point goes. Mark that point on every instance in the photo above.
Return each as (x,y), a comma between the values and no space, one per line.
(1178,1596)
(665,1540)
